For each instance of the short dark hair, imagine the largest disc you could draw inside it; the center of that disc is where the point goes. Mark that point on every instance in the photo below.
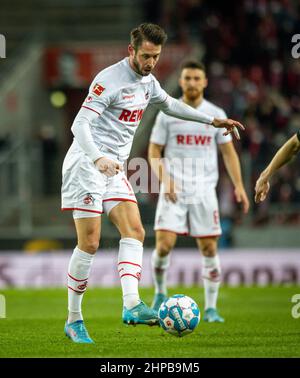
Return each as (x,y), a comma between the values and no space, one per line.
(147,32)
(193,64)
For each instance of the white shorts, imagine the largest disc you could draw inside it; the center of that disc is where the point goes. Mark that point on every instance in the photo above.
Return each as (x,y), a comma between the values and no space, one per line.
(199,219)
(88,192)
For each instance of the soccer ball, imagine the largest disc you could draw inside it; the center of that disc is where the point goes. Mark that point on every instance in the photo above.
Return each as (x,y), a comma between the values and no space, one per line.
(179,315)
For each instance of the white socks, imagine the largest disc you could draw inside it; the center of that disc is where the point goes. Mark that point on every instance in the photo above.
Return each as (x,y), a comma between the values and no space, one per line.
(211,271)
(159,272)
(130,268)
(78,274)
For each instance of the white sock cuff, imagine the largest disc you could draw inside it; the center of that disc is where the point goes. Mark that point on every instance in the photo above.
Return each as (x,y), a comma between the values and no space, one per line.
(82,255)
(131,242)
(211,262)
(131,250)
(160,261)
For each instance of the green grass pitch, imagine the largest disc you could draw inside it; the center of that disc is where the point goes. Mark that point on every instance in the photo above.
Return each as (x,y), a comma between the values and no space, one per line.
(258,324)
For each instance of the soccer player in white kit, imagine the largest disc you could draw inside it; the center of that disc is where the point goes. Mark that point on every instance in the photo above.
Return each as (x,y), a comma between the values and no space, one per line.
(93,178)
(188,205)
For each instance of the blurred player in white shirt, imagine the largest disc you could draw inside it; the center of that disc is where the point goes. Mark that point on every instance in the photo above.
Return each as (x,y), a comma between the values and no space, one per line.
(187,203)
(93,177)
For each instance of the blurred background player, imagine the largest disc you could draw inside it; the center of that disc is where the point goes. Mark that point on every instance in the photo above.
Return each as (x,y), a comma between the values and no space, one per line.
(181,210)
(283,156)
(93,181)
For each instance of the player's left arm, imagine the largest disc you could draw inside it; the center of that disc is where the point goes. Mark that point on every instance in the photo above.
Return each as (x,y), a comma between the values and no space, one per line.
(178,109)
(233,167)
(171,106)
(283,156)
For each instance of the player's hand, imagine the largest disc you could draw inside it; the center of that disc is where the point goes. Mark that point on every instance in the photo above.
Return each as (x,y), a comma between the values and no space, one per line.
(171,197)
(230,125)
(170,192)
(241,197)
(108,167)
(262,188)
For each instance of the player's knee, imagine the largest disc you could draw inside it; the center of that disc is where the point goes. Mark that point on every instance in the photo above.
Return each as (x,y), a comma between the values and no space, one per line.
(90,244)
(209,249)
(137,232)
(163,248)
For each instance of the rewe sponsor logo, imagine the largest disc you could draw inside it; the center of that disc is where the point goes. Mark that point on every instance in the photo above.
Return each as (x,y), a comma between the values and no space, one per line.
(202,140)
(131,115)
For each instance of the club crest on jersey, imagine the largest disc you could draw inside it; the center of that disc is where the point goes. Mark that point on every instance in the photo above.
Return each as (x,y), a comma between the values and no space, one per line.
(88,199)
(98,89)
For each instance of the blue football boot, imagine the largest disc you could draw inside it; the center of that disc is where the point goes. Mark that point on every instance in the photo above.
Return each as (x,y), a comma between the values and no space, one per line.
(77,332)
(211,316)
(158,300)
(140,314)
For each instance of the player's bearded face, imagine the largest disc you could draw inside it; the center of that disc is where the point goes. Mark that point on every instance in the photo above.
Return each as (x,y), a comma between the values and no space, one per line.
(193,81)
(144,59)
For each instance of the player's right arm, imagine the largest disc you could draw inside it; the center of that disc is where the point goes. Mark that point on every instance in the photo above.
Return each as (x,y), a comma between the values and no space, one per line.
(96,102)
(283,156)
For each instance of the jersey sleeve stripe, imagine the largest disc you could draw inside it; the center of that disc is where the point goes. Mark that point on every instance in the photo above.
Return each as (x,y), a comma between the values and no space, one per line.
(86,107)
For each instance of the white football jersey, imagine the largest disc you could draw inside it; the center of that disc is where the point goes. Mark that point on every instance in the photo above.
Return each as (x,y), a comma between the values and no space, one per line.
(191,148)
(120,96)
